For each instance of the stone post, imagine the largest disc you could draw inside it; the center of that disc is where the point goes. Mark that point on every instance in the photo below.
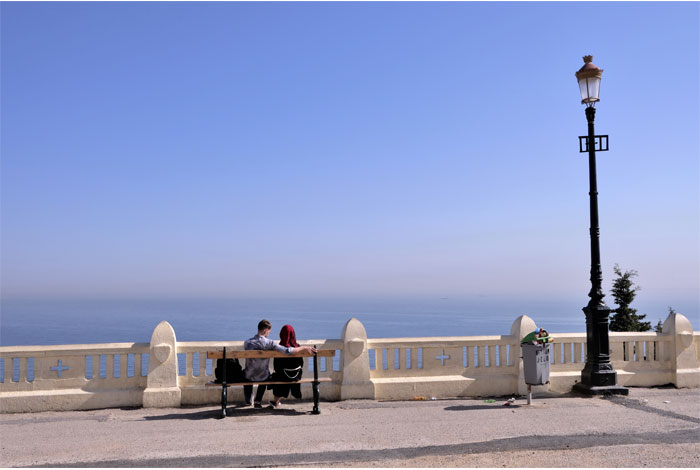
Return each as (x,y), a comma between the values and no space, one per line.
(522,326)
(684,360)
(356,382)
(162,390)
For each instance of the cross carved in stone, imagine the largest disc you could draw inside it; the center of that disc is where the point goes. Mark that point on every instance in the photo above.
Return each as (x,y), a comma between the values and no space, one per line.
(59,368)
(442,357)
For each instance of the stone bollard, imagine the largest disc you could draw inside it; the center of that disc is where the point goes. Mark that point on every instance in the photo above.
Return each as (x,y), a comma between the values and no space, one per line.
(684,360)
(356,382)
(162,390)
(522,326)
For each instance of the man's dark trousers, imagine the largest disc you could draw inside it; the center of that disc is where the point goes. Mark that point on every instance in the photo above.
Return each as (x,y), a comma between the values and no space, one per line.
(248,392)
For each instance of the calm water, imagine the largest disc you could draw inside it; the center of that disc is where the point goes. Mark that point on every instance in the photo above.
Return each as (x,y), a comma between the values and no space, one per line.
(48,322)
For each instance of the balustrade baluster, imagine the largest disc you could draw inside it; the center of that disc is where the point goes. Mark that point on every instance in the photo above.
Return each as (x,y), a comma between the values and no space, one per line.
(123,366)
(109,366)
(482,356)
(567,353)
(502,356)
(649,351)
(390,363)
(95,366)
(21,372)
(202,364)
(189,369)
(138,365)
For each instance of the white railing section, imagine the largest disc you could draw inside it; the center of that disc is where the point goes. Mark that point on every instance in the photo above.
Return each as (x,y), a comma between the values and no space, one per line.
(170,373)
(451,355)
(89,366)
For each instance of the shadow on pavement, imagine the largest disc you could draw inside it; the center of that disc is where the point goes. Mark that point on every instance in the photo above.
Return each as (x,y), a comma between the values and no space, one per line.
(206,414)
(481,407)
(230,412)
(246,411)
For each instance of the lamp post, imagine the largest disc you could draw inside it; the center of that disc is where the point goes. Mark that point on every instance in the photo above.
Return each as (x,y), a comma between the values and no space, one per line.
(598,376)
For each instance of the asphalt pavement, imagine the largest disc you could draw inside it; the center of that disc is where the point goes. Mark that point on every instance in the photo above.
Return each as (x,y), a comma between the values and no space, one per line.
(652,427)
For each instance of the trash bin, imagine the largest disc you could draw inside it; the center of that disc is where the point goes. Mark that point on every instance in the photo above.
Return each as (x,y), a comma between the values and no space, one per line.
(536,363)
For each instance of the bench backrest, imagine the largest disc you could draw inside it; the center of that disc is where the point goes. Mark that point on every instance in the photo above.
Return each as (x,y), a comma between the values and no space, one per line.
(268,354)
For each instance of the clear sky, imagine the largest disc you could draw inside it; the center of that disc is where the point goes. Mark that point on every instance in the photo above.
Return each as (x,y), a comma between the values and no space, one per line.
(333,149)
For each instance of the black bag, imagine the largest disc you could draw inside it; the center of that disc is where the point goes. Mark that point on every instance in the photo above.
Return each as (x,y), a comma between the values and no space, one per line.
(234,371)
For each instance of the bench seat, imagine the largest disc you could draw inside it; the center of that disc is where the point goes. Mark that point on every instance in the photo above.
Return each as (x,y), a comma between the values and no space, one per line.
(238,384)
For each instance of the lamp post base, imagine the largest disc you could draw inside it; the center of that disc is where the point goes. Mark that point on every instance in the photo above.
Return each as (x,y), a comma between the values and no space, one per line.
(600,389)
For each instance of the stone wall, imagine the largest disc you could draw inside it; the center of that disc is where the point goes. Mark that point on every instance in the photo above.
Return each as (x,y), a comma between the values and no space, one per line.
(167,373)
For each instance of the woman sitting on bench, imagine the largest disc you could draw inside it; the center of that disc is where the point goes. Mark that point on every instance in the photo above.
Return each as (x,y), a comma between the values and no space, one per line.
(287,369)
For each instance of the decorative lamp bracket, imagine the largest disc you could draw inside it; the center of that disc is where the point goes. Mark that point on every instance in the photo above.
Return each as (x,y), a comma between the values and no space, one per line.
(600,143)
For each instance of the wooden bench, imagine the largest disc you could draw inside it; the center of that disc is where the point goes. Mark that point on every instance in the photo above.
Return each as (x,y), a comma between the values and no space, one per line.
(270,354)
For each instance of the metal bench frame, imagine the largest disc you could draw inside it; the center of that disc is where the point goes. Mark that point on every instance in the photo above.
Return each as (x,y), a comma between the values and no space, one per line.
(270,354)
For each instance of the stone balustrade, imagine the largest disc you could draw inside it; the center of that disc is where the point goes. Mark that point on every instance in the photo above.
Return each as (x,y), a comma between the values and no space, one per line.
(166,372)
(85,376)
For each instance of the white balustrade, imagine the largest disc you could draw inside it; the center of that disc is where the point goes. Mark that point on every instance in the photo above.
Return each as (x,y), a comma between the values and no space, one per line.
(89,376)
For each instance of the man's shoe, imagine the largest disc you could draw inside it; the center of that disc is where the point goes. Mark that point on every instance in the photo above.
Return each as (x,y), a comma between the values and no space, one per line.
(257,405)
(274,405)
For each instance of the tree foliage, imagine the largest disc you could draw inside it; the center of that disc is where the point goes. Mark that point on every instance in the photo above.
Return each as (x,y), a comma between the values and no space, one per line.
(659,325)
(624,317)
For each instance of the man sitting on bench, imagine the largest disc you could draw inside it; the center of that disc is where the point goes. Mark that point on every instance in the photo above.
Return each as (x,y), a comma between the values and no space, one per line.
(258,369)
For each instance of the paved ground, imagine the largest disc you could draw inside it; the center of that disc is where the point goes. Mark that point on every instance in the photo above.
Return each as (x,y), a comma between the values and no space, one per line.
(652,427)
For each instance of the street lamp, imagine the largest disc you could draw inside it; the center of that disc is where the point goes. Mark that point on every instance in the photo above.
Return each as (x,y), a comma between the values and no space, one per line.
(598,376)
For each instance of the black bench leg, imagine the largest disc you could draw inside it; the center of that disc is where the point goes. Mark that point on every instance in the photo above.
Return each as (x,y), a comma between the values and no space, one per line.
(223,401)
(224,393)
(316,411)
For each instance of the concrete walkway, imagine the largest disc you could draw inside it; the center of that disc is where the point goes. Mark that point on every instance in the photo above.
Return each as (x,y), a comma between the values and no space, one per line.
(652,427)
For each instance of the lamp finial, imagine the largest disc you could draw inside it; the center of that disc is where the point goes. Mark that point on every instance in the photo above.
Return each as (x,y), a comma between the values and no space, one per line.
(587,59)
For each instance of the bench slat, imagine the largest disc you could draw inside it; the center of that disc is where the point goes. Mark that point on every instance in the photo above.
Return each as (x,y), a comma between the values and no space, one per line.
(302,381)
(267,354)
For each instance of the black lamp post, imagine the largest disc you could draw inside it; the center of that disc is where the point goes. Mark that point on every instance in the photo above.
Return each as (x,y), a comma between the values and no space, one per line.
(598,376)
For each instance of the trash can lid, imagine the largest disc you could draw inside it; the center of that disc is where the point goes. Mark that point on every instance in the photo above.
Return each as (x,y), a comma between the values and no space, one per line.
(540,335)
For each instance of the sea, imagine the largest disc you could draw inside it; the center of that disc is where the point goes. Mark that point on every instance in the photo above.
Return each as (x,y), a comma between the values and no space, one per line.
(29,322)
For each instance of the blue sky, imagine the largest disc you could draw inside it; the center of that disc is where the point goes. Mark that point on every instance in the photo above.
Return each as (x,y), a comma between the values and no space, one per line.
(345,149)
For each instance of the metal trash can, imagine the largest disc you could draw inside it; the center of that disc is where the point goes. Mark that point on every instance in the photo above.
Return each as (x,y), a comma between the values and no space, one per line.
(536,363)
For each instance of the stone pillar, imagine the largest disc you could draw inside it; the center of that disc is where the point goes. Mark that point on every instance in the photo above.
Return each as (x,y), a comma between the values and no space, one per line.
(356,382)
(522,326)
(162,390)
(684,360)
